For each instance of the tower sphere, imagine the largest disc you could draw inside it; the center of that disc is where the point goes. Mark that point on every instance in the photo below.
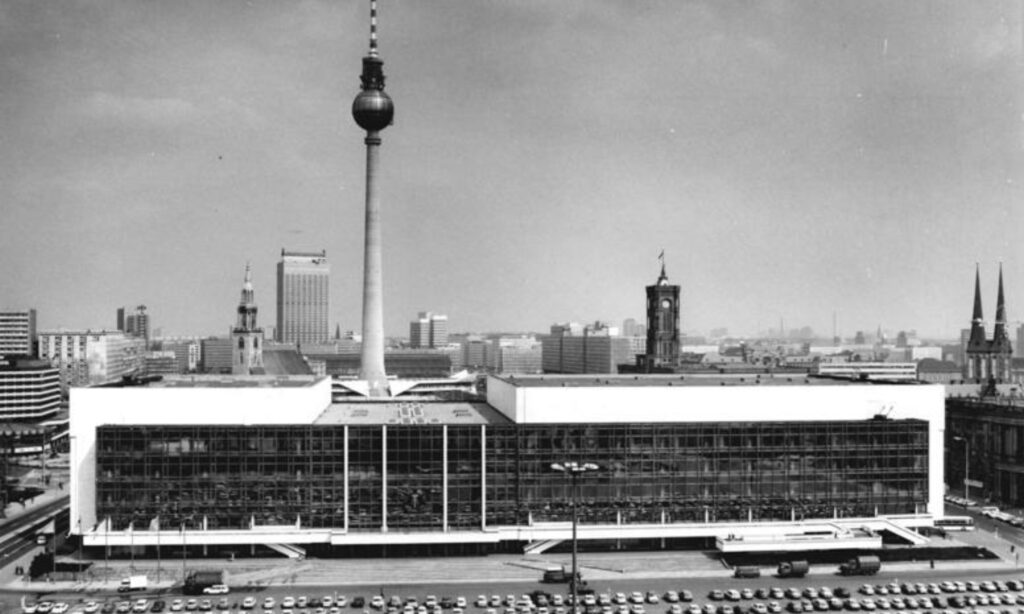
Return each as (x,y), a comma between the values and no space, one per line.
(373,110)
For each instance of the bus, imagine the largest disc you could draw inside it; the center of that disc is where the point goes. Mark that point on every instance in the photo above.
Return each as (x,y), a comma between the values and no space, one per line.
(955,523)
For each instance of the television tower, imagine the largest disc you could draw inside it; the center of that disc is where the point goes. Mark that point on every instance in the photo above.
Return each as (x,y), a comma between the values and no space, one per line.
(373,111)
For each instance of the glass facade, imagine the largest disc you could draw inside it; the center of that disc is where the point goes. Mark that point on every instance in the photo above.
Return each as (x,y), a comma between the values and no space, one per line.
(230,477)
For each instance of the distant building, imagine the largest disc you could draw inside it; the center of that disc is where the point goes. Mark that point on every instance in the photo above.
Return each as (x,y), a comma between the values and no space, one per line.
(474,352)
(29,389)
(663,341)
(135,324)
(515,355)
(428,330)
(594,350)
(160,362)
(402,364)
(939,372)
(247,336)
(988,360)
(216,354)
(1019,352)
(18,332)
(187,352)
(882,371)
(303,297)
(87,358)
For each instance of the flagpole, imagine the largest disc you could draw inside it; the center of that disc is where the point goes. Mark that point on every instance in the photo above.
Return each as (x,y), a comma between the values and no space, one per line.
(158,549)
(184,554)
(131,545)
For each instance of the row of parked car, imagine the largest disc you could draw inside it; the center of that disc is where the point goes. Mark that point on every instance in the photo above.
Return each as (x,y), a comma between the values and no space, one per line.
(990,511)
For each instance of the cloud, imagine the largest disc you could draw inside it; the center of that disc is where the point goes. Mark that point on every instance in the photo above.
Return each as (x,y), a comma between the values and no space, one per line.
(130,109)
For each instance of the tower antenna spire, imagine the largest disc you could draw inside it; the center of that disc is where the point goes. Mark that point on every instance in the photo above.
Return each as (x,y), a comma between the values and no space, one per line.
(373,28)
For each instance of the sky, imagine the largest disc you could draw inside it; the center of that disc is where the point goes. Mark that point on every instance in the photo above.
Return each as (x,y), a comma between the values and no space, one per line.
(794,160)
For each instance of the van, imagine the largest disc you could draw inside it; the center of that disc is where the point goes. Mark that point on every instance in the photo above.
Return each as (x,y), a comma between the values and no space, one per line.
(989,511)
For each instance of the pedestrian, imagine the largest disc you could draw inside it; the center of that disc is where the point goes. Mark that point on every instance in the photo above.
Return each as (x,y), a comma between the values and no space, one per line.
(932,563)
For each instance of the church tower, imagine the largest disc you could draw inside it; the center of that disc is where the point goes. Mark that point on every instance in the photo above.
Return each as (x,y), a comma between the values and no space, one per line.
(662,323)
(246,336)
(988,361)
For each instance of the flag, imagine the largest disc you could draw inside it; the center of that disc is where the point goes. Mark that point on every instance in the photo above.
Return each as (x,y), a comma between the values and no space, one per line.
(661,256)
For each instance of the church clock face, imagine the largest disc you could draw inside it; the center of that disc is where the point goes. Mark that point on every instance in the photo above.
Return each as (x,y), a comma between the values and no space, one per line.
(666,304)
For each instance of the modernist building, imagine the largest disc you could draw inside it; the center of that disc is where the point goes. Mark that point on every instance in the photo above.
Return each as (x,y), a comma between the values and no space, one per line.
(518,355)
(216,354)
(303,297)
(595,348)
(29,390)
(428,330)
(88,358)
(18,332)
(988,360)
(275,462)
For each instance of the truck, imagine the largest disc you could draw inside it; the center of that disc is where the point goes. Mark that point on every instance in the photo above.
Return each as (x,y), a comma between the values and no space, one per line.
(196,581)
(864,565)
(559,575)
(133,583)
(747,571)
(793,569)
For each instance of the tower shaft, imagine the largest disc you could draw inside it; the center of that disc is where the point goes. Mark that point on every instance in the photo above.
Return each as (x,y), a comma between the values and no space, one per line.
(372,356)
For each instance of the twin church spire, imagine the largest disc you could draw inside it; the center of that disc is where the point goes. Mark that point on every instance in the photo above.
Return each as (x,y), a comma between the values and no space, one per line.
(988,359)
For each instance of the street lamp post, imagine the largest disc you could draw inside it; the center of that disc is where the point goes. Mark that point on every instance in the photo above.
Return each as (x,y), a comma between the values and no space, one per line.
(574,470)
(967,466)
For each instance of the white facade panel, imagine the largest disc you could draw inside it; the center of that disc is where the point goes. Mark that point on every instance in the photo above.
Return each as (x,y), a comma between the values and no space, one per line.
(93,407)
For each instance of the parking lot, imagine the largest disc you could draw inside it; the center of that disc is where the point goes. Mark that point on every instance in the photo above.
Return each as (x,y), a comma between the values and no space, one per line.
(951,596)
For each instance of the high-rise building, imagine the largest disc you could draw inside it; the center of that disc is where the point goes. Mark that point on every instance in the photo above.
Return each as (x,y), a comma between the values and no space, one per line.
(988,360)
(373,111)
(17,332)
(135,324)
(428,330)
(247,336)
(303,297)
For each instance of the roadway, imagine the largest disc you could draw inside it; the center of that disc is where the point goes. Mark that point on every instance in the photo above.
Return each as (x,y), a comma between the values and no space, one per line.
(18,535)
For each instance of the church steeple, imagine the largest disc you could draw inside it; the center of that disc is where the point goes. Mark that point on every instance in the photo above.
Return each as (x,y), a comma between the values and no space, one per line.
(977,324)
(247,336)
(999,335)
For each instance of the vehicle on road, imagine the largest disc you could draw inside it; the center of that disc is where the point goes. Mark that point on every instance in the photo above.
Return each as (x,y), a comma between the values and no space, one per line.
(216,589)
(866,565)
(133,583)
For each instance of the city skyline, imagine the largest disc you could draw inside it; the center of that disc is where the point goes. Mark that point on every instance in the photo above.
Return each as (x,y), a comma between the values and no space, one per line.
(807,159)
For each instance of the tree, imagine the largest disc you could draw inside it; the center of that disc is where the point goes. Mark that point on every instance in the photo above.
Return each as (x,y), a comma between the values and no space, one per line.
(41,564)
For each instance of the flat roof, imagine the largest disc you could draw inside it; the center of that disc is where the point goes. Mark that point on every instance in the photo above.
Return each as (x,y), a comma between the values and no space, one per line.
(411,412)
(236,381)
(674,379)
